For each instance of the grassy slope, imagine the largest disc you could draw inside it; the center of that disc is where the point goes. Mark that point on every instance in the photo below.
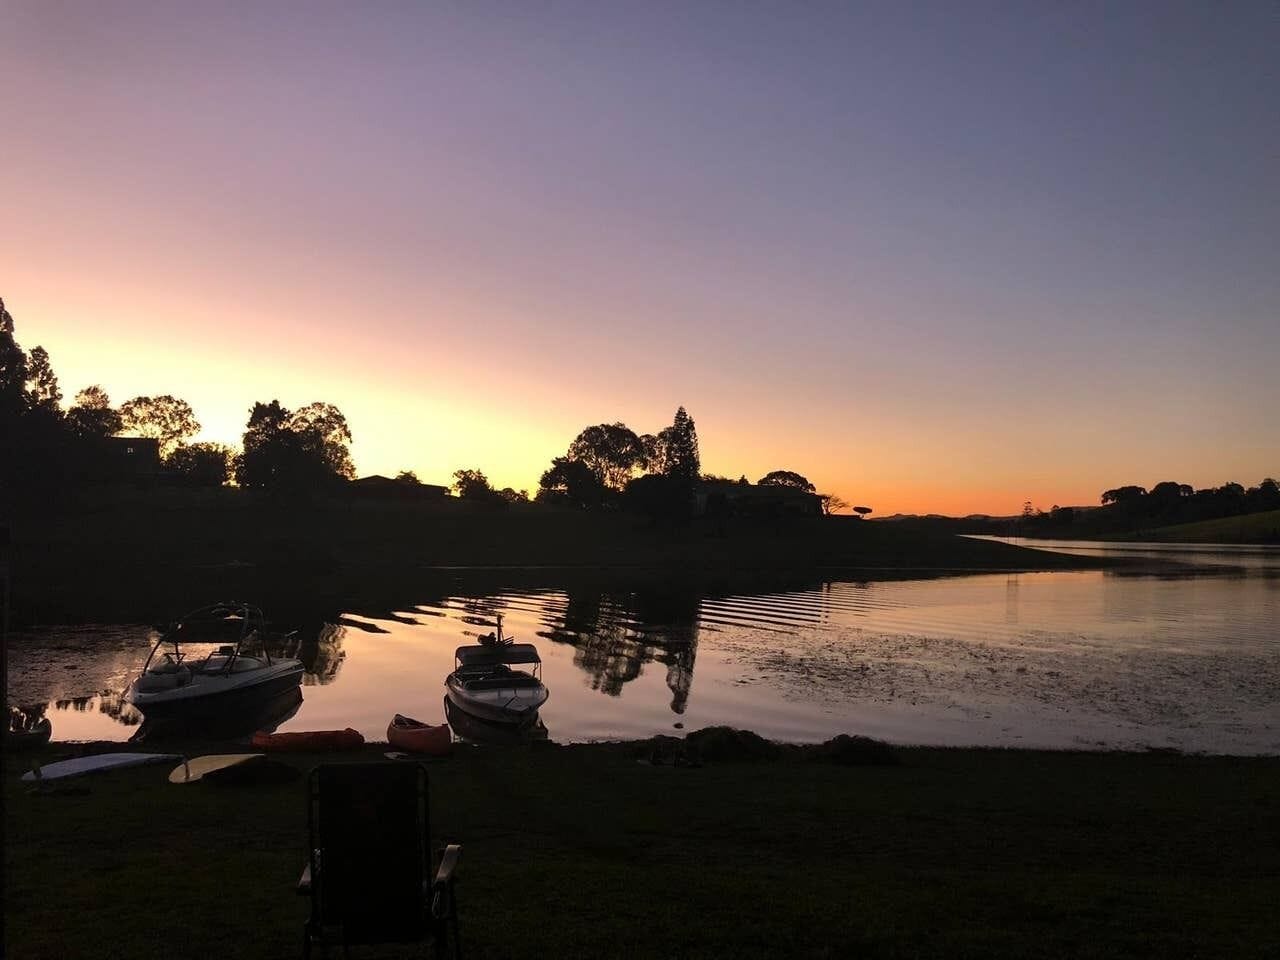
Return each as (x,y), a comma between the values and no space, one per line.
(1249,528)
(126,557)
(581,852)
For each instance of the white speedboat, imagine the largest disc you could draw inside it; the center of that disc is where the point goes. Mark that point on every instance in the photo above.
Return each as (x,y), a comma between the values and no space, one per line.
(176,683)
(484,684)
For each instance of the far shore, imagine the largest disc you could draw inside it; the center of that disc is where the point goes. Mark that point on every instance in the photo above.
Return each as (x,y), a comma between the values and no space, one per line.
(142,556)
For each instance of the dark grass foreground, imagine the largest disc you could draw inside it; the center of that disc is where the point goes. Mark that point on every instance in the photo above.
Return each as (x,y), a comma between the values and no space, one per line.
(583,851)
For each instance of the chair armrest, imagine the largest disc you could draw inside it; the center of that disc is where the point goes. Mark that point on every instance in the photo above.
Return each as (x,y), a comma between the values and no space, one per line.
(304,882)
(448,863)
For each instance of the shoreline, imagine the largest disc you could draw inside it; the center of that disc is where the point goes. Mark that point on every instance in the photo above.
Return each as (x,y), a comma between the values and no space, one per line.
(787,750)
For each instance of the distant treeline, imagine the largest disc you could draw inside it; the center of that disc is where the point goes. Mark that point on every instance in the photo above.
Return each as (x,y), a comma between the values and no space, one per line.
(1123,511)
(45,448)
(1133,508)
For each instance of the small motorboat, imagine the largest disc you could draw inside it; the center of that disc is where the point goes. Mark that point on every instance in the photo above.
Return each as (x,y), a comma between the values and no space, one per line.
(484,684)
(176,683)
(414,736)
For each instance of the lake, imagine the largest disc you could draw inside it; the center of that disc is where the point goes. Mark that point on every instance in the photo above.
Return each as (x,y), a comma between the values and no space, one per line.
(1181,651)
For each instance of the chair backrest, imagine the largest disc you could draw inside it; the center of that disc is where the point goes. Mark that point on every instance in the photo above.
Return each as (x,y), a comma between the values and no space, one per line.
(368,836)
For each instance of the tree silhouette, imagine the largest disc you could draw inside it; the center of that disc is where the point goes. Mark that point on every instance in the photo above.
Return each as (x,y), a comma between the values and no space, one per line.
(202,464)
(1127,494)
(612,452)
(42,393)
(294,451)
(680,448)
(92,416)
(36,449)
(862,511)
(472,485)
(571,482)
(326,437)
(13,369)
(655,450)
(832,503)
(168,419)
(659,497)
(786,478)
(409,477)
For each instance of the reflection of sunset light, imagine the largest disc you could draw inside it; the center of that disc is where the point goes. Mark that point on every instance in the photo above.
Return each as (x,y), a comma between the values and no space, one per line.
(886,658)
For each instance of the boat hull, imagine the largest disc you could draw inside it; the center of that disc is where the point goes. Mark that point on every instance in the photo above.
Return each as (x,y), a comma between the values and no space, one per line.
(511,707)
(214,696)
(476,730)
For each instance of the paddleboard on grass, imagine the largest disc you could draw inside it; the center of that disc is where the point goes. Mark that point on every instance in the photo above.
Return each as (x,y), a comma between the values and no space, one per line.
(192,770)
(96,764)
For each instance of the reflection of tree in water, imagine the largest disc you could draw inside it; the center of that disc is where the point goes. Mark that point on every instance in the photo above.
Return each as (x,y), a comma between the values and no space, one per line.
(111,703)
(615,635)
(321,654)
(24,719)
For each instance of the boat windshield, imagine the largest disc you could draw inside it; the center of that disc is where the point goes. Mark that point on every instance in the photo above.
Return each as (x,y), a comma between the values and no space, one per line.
(213,637)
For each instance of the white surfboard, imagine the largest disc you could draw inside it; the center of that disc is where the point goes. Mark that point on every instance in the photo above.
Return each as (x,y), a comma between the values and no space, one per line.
(192,770)
(103,761)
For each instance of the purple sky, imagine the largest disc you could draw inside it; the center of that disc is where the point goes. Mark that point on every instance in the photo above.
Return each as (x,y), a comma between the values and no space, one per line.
(935,256)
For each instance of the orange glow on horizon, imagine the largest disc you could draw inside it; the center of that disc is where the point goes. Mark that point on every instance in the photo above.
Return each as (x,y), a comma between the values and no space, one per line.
(434,417)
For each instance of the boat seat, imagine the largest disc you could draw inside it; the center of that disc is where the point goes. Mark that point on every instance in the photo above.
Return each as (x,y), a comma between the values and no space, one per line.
(500,683)
(154,681)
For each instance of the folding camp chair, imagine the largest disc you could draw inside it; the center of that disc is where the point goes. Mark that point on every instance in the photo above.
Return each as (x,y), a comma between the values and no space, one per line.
(368,872)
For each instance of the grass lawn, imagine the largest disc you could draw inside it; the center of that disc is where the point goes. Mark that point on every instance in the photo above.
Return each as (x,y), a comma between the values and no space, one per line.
(580,851)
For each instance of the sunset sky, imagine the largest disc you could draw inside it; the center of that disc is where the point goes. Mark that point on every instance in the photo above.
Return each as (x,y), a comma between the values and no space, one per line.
(937,257)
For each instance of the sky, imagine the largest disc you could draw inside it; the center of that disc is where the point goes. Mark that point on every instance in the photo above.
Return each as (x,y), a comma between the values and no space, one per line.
(937,257)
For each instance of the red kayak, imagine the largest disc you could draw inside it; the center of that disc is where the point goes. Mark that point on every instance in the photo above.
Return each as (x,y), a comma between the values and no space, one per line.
(414,736)
(347,739)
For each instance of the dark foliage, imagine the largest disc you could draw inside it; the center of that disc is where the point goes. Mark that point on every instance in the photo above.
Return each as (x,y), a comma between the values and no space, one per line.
(287,451)
(611,451)
(571,483)
(168,419)
(473,485)
(1169,503)
(92,415)
(786,478)
(659,497)
(680,448)
(202,464)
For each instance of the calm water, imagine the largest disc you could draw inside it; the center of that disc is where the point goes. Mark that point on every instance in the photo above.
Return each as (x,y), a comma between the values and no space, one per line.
(1185,657)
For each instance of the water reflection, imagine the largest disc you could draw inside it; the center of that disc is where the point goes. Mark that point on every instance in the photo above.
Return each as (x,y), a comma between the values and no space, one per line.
(615,634)
(474,730)
(110,703)
(264,714)
(321,654)
(1077,659)
(28,727)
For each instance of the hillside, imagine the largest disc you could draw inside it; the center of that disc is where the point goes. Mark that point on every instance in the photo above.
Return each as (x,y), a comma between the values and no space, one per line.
(1249,528)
